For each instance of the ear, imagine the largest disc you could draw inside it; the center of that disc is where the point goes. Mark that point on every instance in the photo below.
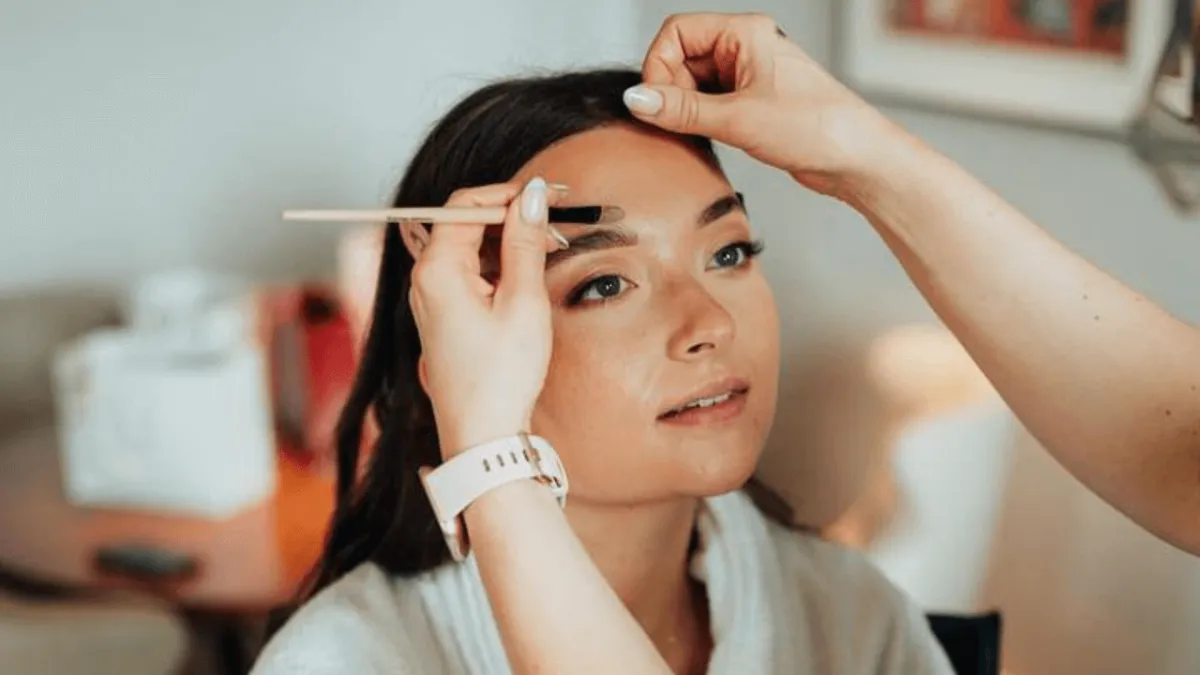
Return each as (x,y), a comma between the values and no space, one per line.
(415,237)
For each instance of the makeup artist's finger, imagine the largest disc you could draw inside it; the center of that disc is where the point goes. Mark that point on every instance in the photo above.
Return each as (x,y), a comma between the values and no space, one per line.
(696,49)
(684,111)
(682,37)
(701,70)
(523,245)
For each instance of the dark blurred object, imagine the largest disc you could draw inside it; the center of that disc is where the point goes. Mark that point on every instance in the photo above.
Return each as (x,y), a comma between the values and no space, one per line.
(312,367)
(1111,14)
(971,642)
(145,562)
(1166,135)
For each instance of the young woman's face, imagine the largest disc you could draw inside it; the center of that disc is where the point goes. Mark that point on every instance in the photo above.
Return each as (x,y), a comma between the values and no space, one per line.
(666,337)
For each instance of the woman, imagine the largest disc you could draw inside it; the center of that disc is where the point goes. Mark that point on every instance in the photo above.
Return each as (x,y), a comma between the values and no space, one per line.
(1107,381)
(646,353)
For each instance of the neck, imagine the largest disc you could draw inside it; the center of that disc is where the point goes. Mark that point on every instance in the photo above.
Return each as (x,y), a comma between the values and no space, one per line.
(643,553)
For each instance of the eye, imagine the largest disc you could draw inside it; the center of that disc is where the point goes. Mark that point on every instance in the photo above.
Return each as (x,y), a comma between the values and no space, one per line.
(599,289)
(736,255)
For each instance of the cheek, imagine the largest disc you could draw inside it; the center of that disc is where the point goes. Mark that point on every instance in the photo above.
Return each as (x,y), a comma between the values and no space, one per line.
(761,322)
(597,373)
(757,346)
(595,407)
(751,304)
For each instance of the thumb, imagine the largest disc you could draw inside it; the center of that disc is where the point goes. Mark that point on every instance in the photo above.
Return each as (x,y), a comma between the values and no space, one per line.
(683,111)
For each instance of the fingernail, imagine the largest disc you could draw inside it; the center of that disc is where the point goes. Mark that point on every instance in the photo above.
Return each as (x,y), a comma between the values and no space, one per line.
(533,202)
(559,187)
(558,237)
(643,100)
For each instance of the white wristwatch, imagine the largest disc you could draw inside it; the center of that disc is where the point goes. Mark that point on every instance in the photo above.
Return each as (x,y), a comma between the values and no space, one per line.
(452,486)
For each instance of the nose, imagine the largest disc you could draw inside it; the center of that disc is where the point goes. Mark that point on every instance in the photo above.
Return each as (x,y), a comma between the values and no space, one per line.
(701,323)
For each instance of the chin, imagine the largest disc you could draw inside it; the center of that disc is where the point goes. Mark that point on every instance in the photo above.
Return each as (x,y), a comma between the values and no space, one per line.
(717,471)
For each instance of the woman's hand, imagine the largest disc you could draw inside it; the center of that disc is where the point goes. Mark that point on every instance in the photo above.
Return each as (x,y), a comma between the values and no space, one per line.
(486,352)
(771,100)
(485,347)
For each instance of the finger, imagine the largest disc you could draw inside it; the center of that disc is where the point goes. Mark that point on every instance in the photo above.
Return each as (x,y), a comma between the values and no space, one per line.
(523,245)
(692,50)
(683,111)
(450,261)
(682,37)
(700,70)
(454,241)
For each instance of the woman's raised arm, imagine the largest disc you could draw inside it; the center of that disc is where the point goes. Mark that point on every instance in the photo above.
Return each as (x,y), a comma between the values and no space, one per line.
(486,352)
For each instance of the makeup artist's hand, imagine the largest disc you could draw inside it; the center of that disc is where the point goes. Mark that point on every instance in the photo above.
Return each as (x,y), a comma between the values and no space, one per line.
(485,347)
(770,99)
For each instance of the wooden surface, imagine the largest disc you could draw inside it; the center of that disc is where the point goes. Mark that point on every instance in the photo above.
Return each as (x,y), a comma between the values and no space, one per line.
(251,562)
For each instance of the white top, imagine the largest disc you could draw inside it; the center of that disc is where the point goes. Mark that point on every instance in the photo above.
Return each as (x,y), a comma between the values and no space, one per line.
(780,602)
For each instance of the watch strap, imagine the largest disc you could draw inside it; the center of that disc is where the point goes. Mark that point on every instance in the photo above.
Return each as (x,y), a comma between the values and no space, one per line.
(456,483)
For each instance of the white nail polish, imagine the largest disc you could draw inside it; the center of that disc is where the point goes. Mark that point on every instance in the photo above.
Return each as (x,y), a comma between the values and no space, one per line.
(533,202)
(643,100)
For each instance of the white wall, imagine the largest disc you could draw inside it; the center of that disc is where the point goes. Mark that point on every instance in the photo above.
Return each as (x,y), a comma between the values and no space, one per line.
(1083,590)
(136,134)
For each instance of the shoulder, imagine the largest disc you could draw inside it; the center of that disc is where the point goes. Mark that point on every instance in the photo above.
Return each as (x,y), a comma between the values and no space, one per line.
(862,610)
(362,623)
(829,568)
(821,571)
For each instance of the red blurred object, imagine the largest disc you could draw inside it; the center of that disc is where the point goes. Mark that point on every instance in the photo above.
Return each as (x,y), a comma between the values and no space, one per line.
(311,349)
(1093,26)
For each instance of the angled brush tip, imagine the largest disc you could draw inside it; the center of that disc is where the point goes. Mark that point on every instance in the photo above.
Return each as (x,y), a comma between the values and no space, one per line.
(586,215)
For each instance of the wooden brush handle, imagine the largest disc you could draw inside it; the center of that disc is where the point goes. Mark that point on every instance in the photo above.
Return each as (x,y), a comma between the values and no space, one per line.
(490,215)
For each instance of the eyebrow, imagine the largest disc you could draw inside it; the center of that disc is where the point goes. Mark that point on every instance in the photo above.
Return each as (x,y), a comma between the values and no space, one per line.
(601,238)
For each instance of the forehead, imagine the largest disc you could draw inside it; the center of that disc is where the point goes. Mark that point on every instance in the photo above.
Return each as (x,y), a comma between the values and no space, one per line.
(634,168)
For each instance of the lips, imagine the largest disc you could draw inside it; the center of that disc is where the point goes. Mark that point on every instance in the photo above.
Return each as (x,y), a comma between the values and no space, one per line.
(711,395)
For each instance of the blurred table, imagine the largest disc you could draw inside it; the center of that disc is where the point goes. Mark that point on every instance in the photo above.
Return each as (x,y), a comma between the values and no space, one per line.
(249,564)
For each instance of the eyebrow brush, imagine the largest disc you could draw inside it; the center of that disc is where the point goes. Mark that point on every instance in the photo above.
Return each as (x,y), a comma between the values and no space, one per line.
(491,215)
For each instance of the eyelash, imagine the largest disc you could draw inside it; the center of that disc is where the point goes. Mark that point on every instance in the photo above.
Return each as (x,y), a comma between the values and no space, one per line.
(748,250)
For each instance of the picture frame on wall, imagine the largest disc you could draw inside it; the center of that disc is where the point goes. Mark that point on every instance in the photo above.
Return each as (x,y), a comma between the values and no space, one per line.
(1086,65)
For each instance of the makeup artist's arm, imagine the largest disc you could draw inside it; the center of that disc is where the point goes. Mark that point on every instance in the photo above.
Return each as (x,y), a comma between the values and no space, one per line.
(1107,381)
(486,352)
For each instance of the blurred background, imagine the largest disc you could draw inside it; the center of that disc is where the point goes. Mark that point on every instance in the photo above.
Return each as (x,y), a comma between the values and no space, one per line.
(146,152)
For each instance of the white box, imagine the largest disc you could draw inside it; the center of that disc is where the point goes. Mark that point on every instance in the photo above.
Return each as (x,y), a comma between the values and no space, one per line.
(144,423)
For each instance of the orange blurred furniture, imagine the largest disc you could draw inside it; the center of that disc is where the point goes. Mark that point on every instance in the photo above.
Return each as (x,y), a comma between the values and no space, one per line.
(248,564)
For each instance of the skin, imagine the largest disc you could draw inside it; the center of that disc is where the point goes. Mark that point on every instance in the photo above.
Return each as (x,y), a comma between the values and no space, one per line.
(1054,356)
(680,304)
(676,321)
